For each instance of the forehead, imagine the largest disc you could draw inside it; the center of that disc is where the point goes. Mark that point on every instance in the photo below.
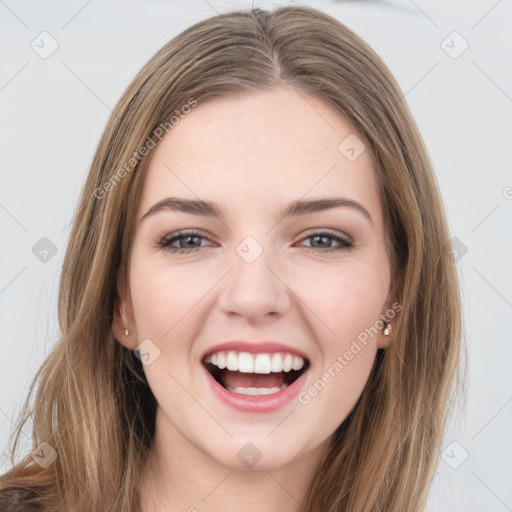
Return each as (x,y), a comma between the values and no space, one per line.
(251,151)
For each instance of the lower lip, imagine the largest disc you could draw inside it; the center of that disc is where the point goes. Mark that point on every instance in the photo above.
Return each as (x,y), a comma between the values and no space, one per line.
(261,403)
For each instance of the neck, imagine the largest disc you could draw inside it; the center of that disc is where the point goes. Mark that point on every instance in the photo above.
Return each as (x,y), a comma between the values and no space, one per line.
(179,476)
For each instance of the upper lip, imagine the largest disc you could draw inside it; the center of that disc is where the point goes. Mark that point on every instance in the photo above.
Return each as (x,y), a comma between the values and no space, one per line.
(254,347)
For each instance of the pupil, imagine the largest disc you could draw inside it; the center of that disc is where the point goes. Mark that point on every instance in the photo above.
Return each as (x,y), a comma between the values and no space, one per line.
(320,237)
(187,238)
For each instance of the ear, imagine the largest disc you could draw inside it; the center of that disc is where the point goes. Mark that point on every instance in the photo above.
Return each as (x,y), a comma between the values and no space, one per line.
(123,317)
(383,340)
(388,317)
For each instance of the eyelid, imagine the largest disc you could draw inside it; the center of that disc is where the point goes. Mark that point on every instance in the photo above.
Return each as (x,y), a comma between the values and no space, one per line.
(183,233)
(327,231)
(310,232)
(344,241)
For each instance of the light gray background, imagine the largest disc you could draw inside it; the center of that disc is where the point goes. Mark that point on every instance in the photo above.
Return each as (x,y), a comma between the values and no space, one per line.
(54,109)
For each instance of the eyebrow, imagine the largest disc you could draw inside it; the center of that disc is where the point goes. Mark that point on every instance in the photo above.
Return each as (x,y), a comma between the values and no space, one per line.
(293,209)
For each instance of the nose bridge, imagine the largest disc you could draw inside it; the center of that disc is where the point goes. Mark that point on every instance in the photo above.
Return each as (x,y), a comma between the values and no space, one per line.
(253,288)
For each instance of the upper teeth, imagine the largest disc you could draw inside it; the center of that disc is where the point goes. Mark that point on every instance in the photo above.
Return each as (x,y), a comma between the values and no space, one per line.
(256,363)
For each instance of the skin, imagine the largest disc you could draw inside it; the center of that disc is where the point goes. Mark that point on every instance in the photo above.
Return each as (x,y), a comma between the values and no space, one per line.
(252,154)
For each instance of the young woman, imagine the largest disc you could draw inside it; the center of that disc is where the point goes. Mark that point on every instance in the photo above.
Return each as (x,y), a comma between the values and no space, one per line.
(258,303)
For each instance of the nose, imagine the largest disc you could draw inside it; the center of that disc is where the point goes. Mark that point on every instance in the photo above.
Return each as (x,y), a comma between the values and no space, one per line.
(254,288)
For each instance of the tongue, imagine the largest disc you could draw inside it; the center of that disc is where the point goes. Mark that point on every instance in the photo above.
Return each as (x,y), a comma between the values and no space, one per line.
(252,380)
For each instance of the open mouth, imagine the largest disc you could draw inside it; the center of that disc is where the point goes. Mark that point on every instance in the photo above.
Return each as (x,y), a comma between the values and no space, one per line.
(255,374)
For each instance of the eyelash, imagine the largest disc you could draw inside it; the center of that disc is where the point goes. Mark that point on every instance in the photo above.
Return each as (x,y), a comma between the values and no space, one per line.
(345,242)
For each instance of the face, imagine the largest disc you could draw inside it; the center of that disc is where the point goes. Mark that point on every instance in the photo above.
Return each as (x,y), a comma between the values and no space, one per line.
(257,327)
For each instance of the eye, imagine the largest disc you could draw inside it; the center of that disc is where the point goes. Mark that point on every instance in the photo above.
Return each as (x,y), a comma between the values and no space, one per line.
(188,240)
(324,236)
(189,237)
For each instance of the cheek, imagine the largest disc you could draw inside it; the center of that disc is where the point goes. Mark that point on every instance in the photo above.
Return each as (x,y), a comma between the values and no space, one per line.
(345,302)
(162,296)
(348,304)
(166,304)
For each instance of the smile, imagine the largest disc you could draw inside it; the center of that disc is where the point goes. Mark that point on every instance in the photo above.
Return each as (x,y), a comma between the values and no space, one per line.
(254,375)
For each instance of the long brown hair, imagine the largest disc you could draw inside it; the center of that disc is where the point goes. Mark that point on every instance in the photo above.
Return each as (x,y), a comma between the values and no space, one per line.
(93,404)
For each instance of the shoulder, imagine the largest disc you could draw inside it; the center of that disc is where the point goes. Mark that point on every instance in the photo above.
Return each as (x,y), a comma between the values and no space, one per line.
(17,499)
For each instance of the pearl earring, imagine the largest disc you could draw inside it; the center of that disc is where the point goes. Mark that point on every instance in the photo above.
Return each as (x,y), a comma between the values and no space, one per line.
(127,332)
(387,330)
